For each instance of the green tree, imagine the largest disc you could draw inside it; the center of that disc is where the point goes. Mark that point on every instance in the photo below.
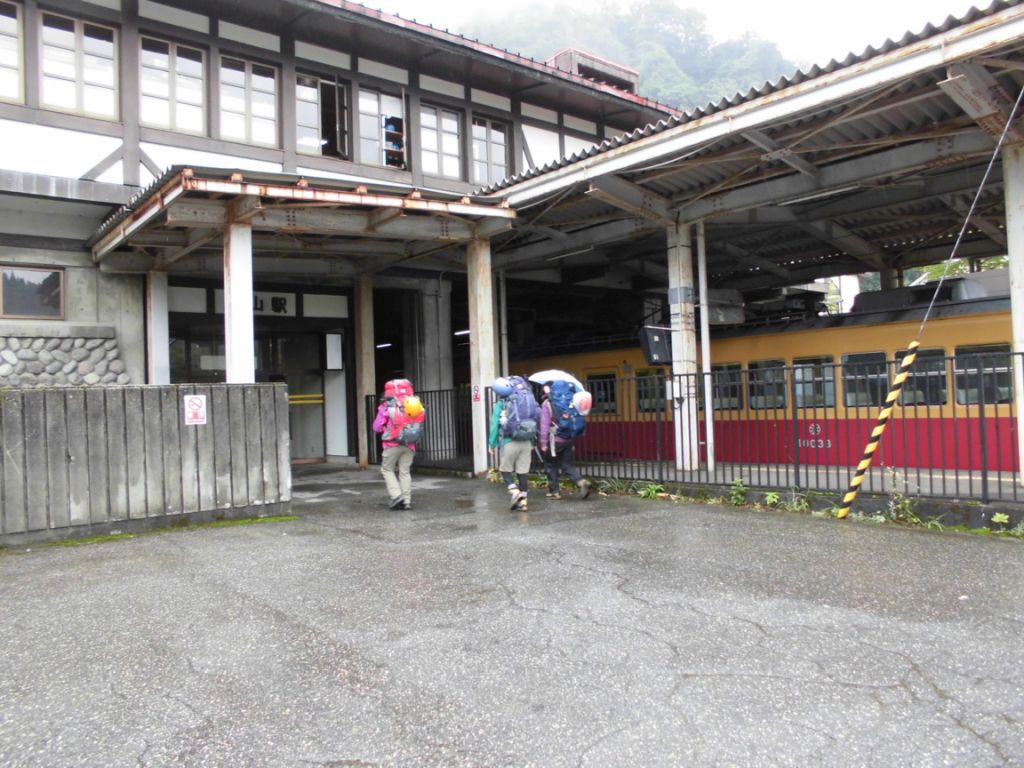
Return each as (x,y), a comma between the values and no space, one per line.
(679,62)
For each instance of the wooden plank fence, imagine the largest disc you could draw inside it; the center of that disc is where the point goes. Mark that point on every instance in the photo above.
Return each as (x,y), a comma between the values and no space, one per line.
(80,460)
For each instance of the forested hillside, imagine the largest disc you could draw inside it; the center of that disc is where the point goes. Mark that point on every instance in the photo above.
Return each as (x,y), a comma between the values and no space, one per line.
(679,63)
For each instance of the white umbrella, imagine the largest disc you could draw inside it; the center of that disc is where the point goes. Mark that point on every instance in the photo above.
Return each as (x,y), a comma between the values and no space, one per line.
(553,374)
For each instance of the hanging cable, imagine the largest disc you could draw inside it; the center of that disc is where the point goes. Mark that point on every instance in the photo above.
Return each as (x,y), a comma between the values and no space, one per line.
(911,354)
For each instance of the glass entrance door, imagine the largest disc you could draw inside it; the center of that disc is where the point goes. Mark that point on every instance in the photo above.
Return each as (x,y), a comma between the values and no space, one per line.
(295,358)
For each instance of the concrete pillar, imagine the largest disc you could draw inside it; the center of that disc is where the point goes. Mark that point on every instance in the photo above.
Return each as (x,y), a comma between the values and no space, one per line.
(705,348)
(366,372)
(239,341)
(435,347)
(482,361)
(1013,194)
(889,279)
(158,334)
(503,323)
(684,346)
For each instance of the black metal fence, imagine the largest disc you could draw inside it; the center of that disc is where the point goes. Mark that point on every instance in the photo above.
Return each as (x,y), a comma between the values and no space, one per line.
(952,433)
(447,441)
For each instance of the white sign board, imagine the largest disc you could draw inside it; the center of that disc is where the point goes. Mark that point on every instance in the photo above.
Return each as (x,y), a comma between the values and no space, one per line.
(195,410)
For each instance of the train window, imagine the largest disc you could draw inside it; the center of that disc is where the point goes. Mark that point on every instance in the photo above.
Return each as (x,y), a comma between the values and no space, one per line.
(727,386)
(601,387)
(983,374)
(650,390)
(814,381)
(865,379)
(927,382)
(766,385)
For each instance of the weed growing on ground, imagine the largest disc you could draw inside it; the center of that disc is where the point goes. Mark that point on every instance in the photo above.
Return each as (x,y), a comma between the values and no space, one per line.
(797,502)
(616,486)
(771,499)
(650,491)
(899,506)
(738,493)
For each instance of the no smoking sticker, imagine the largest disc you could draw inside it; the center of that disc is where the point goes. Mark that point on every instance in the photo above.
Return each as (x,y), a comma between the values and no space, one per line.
(195,410)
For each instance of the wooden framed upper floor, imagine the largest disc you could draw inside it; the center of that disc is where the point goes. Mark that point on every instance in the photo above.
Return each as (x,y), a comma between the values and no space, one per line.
(115,91)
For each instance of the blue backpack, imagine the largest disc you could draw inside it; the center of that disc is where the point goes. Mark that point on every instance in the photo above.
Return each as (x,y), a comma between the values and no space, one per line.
(568,422)
(522,413)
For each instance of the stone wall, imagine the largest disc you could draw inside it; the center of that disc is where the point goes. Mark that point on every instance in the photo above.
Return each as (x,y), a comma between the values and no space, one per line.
(39,361)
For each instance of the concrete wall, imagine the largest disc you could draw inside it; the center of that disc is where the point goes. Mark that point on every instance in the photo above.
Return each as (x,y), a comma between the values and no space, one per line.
(80,460)
(97,306)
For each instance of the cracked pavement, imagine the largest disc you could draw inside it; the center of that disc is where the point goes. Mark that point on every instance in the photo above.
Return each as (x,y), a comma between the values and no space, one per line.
(607,632)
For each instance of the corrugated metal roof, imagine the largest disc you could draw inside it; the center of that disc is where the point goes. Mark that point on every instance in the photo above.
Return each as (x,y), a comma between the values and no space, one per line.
(476,46)
(766,89)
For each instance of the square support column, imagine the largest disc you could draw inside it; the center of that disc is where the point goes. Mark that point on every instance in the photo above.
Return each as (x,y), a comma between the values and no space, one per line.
(434,368)
(482,363)
(1013,195)
(366,367)
(705,348)
(684,347)
(239,340)
(158,334)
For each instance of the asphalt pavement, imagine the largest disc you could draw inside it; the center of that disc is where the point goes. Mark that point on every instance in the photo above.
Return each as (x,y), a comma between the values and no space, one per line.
(606,632)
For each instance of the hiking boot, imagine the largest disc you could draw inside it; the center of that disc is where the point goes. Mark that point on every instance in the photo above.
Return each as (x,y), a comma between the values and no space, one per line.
(517,497)
(584,488)
(396,503)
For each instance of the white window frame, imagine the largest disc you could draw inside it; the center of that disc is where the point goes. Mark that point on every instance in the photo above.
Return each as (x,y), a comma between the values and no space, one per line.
(490,149)
(174,95)
(342,90)
(17,68)
(80,57)
(249,90)
(441,141)
(376,149)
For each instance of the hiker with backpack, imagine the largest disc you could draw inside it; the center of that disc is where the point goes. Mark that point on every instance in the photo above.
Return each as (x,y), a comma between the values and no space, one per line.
(562,410)
(399,422)
(514,426)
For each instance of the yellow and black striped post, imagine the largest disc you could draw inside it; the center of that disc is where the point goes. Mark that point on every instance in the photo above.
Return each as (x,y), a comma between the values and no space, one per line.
(879,430)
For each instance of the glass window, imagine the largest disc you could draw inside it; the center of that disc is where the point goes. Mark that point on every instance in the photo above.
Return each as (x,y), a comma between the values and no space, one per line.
(926,384)
(602,388)
(172,86)
(248,102)
(490,151)
(321,114)
(814,382)
(29,292)
(78,66)
(983,374)
(440,142)
(650,390)
(766,385)
(381,129)
(865,379)
(726,387)
(10,52)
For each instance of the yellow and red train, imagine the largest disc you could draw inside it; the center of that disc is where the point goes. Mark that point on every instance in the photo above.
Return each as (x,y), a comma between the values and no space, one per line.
(809,391)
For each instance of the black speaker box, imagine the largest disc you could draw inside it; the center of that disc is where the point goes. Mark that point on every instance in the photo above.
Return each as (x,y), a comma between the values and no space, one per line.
(657,345)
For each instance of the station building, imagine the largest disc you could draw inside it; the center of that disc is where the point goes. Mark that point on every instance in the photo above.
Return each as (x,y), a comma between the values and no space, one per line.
(214,191)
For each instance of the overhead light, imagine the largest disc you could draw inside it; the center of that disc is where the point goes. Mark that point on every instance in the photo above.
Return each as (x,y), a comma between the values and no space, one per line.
(385,345)
(821,194)
(461,333)
(588,249)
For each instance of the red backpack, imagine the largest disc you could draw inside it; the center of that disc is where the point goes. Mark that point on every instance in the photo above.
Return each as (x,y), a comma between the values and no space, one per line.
(405,428)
